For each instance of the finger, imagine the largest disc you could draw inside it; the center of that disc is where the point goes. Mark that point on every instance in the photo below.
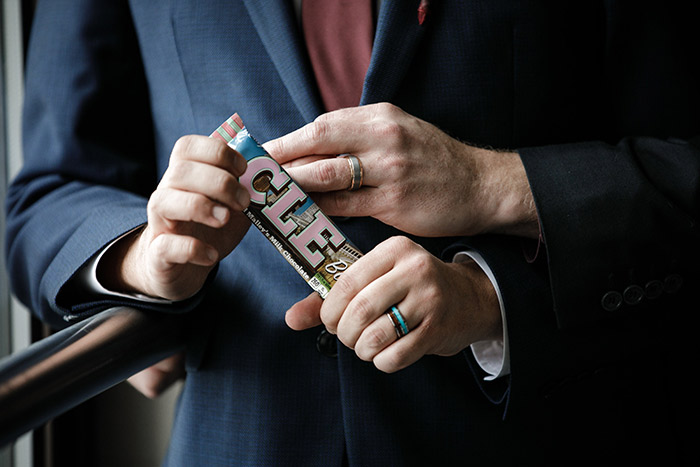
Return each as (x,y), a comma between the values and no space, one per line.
(184,206)
(365,202)
(305,314)
(341,294)
(155,379)
(377,262)
(382,333)
(307,160)
(400,354)
(148,382)
(211,181)
(375,338)
(347,130)
(209,151)
(370,304)
(172,364)
(169,249)
(335,134)
(406,350)
(323,175)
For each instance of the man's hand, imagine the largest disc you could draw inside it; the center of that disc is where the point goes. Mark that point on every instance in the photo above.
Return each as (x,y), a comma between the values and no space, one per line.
(416,178)
(154,380)
(447,306)
(194,220)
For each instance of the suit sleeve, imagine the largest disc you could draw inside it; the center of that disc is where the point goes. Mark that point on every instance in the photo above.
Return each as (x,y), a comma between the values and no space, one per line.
(595,371)
(618,219)
(620,225)
(89,161)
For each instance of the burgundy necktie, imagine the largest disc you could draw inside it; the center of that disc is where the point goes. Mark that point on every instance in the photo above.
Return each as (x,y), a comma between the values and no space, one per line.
(339,36)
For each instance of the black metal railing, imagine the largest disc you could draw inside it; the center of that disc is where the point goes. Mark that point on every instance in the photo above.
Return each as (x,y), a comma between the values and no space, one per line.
(79,362)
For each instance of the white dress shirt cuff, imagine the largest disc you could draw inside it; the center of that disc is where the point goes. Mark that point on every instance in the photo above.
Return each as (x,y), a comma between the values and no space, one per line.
(87,278)
(492,356)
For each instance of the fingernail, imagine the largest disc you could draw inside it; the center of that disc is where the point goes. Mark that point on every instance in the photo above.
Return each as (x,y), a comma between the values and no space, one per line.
(243,197)
(213,255)
(241,164)
(220,213)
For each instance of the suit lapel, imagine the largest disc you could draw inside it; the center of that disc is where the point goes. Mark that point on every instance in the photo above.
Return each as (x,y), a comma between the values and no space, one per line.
(276,24)
(398,34)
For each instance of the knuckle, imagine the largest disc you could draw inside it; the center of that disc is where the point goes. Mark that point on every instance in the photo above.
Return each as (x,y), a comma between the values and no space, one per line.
(392,134)
(364,353)
(177,170)
(432,295)
(361,309)
(377,337)
(329,319)
(224,183)
(316,131)
(399,243)
(325,172)
(323,117)
(393,361)
(160,245)
(397,167)
(401,166)
(390,130)
(192,203)
(153,204)
(345,285)
(220,154)
(183,146)
(331,327)
(189,248)
(387,108)
(422,265)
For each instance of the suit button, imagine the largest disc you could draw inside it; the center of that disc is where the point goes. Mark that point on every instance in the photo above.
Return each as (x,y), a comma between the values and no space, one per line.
(611,301)
(327,344)
(633,294)
(654,289)
(673,283)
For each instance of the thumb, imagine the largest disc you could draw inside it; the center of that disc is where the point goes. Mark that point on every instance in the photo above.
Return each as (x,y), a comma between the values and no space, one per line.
(305,314)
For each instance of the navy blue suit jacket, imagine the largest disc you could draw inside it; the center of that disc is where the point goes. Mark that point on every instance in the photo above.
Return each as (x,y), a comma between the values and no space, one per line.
(600,98)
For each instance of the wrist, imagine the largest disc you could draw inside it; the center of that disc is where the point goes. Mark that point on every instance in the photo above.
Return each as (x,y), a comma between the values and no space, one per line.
(506,185)
(117,270)
(484,298)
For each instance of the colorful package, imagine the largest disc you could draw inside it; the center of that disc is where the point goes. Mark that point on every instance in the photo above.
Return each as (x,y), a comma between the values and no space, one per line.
(288,218)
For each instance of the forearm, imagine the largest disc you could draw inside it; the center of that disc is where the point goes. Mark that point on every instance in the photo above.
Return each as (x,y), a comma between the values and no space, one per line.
(45,254)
